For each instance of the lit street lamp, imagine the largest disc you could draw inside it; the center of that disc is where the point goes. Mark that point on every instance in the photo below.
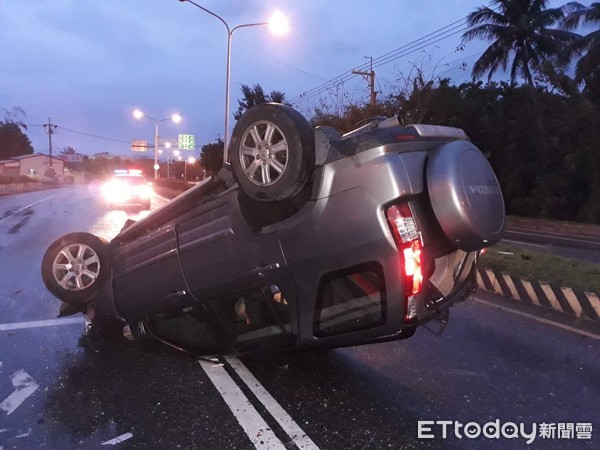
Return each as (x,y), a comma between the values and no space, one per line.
(190,160)
(278,23)
(176,118)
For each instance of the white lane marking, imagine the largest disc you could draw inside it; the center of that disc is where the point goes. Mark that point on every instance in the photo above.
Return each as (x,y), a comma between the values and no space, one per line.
(288,424)
(538,319)
(41,323)
(523,243)
(118,439)
(556,236)
(26,434)
(260,434)
(28,206)
(25,385)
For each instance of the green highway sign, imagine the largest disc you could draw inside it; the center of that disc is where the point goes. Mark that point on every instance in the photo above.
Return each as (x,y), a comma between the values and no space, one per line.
(186,142)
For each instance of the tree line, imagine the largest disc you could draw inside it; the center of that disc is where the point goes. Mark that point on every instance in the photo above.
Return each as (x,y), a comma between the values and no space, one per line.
(540,128)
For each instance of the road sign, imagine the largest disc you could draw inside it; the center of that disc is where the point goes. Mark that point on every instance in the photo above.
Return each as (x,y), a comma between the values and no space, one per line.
(139,146)
(186,142)
(71,157)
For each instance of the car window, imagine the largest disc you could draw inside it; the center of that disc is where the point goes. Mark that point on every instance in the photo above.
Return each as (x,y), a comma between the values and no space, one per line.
(349,301)
(255,315)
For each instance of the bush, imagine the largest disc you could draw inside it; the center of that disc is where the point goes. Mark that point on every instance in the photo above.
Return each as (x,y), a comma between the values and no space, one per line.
(176,185)
(170,188)
(11,179)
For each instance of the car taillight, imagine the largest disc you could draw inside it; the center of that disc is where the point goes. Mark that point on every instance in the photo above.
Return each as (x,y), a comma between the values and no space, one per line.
(408,239)
(413,267)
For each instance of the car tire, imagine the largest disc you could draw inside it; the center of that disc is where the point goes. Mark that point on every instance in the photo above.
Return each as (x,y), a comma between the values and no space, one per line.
(272,152)
(75,267)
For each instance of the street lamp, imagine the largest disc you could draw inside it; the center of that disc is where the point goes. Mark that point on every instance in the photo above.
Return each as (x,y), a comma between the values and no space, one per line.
(176,118)
(190,160)
(278,23)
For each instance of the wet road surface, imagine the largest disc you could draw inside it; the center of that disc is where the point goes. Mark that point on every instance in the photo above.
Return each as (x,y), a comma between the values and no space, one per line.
(61,387)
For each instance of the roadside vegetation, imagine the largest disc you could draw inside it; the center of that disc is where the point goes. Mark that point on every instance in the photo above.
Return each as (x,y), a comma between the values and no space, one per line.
(10,179)
(539,127)
(542,266)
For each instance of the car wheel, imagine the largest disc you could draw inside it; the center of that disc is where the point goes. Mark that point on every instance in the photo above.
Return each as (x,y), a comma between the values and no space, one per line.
(75,267)
(272,152)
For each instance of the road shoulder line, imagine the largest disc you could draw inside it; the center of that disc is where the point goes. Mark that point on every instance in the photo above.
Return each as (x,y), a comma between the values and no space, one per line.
(537,318)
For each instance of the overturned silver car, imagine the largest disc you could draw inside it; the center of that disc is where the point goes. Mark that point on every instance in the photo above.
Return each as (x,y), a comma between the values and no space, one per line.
(308,238)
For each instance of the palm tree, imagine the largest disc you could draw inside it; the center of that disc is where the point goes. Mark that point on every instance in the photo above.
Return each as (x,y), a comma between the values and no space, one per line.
(588,44)
(254,96)
(519,29)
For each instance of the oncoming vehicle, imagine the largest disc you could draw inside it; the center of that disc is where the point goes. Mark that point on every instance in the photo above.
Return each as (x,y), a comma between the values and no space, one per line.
(127,188)
(308,239)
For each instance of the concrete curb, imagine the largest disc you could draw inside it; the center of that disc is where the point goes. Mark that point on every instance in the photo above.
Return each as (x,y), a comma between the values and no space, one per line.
(18,188)
(562,299)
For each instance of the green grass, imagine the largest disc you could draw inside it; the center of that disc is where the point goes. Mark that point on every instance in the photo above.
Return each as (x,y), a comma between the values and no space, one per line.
(542,266)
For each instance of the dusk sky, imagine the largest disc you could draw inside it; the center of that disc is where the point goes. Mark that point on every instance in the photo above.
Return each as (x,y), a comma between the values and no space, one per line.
(87,64)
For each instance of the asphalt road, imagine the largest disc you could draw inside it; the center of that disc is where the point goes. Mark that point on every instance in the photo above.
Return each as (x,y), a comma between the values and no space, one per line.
(62,387)
(567,243)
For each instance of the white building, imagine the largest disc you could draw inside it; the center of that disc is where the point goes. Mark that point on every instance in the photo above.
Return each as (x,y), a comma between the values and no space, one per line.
(35,166)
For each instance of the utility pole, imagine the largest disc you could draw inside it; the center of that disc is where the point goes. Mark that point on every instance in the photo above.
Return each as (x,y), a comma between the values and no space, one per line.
(371,79)
(51,128)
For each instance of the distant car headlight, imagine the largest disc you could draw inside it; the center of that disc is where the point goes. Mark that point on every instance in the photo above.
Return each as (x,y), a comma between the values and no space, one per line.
(115,192)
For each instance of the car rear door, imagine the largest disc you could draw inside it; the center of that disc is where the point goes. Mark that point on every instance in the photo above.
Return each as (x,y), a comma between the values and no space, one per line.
(231,268)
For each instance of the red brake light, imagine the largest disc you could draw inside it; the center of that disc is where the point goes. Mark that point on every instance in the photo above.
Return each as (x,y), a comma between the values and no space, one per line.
(412,267)
(408,241)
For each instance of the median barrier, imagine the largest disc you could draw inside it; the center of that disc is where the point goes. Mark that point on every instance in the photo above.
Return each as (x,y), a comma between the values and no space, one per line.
(563,299)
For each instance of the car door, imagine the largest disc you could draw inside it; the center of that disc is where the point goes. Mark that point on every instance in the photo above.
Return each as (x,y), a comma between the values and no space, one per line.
(147,276)
(229,267)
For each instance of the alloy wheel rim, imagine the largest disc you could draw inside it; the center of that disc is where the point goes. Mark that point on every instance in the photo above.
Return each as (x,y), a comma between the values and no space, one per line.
(76,267)
(264,153)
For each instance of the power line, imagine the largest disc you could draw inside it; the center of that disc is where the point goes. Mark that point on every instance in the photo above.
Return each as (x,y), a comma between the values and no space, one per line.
(122,141)
(83,133)
(414,46)
(453,28)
